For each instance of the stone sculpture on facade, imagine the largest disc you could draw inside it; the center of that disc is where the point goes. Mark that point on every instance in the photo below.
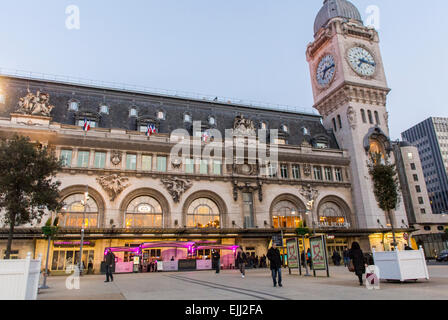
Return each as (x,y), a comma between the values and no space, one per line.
(176,187)
(115,158)
(243,126)
(307,170)
(351,117)
(113,185)
(38,104)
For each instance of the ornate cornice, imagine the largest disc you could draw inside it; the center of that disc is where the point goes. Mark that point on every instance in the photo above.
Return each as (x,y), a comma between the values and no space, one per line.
(352,92)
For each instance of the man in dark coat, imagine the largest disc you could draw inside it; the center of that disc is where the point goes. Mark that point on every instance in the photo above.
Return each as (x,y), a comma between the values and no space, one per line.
(216,260)
(336,258)
(276,264)
(242,260)
(357,256)
(110,264)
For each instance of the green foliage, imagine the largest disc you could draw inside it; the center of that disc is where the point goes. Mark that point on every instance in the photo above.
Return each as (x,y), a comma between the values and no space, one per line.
(385,183)
(302,230)
(27,186)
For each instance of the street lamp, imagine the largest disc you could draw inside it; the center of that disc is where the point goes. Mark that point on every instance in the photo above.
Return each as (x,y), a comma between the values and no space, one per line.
(84,202)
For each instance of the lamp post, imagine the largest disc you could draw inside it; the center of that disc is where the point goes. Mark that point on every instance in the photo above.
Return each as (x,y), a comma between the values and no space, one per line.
(86,198)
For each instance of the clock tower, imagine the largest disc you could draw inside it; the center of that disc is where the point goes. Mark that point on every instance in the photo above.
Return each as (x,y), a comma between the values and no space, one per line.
(350,92)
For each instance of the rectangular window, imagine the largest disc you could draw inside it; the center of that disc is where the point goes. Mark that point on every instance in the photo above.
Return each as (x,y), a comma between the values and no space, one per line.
(328,174)
(83,159)
(415,177)
(92,123)
(248,209)
(423,211)
(203,167)
(418,189)
(338,174)
(217,167)
(146,163)
(100,160)
(66,158)
(317,173)
(296,171)
(161,164)
(189,165)
(413,166)
(284,171)
(131,162)
(420,200)
(272,170)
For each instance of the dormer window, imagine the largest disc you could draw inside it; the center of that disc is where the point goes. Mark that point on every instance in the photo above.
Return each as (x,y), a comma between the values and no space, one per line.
(263,125)
(212,121)
(133,112)
(104,108)
(73,105)
(161,115)
(188,118)
(284,128)
(305,131)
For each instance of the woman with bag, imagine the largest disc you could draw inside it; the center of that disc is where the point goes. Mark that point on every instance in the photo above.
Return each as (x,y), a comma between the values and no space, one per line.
(357,262)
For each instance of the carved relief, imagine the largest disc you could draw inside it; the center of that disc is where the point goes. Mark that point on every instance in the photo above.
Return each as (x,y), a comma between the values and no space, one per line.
(242,126)
(176,162)
(307,170)
(248,187)
(116,157)
(113,185)
(38,104)
(310,195)
(176,187)
(351,117)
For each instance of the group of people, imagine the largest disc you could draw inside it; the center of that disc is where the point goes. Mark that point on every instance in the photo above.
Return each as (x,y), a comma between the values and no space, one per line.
(353,258)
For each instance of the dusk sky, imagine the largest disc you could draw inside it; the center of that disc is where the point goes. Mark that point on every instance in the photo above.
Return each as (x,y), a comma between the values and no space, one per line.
(251,49)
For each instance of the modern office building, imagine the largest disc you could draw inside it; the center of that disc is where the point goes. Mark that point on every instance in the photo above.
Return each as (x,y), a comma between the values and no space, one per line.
(431,139)
(140,191)
(430,227)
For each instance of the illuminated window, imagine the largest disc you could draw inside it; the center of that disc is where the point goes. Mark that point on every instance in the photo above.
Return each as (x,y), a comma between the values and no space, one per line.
(203,213)
(71,215)
(142,212)
(285,215)
(331,215)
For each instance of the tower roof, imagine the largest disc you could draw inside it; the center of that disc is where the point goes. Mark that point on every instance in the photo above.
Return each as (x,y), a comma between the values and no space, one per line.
(336,8)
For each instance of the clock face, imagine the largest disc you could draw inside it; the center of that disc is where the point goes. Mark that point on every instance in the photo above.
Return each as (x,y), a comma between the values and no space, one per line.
(326,70)
(362,61)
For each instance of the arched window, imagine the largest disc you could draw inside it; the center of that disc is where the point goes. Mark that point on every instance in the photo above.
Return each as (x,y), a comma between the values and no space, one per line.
(369,113)
(377,147)
(363,115)
(331,215)
(203,213)
(285,215)
(334,125)
(377,118)
(71,215)
(144,212)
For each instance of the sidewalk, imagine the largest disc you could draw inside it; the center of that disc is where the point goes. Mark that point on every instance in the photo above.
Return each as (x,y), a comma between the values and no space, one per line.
(257,285)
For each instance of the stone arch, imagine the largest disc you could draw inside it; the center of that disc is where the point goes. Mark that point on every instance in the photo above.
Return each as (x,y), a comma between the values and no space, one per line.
(93,194)
(220,203)
(291,198)
(340,203)
(166,212)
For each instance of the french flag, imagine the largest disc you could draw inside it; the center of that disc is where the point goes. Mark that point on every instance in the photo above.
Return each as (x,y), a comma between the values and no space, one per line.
(151,129)
(86,126)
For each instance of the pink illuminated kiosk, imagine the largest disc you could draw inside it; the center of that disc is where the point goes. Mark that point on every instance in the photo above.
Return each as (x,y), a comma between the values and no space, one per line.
(171,256)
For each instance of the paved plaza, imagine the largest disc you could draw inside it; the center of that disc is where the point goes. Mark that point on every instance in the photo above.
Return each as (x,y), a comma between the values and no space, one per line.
(257,285)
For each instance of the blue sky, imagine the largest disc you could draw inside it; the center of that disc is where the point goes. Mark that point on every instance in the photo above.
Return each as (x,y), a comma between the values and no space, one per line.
(248,49)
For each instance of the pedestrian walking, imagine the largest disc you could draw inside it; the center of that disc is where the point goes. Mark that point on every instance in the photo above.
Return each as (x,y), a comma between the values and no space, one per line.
(276,264)
(110,265)
(242,260)
(216,260)
(308,258)
(336,258)
(357,258)
(345,254)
